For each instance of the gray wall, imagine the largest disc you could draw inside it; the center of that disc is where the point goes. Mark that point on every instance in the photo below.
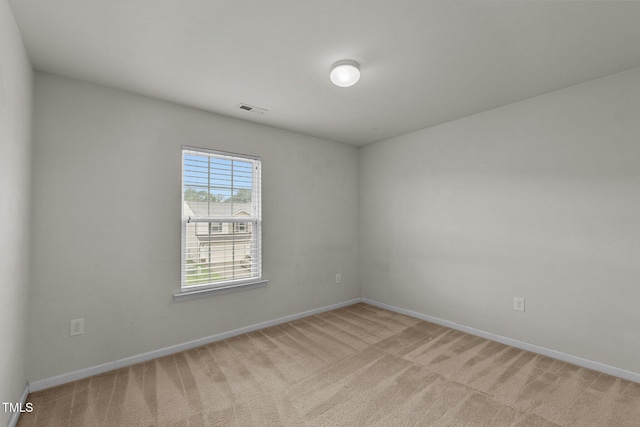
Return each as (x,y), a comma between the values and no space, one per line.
(16,80)
(106,225)
(539,199)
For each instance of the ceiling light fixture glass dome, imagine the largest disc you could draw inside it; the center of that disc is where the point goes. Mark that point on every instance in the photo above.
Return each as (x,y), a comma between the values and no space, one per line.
(345,73)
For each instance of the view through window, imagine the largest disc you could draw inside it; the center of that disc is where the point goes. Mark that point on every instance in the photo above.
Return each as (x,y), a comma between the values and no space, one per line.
(221,219)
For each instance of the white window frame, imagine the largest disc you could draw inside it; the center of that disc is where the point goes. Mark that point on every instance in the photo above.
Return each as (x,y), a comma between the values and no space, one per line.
(240,227)
(189,291)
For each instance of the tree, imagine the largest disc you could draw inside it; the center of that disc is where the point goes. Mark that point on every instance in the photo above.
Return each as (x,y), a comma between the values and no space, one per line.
(191,195)
(243,195)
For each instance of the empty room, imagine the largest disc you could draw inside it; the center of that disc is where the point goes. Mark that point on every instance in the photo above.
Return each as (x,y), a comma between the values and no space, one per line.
(319,213)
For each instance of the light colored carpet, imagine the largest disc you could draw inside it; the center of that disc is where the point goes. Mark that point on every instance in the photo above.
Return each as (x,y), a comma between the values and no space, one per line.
(355,366)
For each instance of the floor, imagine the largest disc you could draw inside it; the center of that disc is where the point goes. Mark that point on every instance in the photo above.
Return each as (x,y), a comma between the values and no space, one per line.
(355,366)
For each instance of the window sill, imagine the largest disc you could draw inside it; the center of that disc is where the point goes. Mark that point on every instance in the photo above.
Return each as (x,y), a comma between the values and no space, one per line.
(205,292)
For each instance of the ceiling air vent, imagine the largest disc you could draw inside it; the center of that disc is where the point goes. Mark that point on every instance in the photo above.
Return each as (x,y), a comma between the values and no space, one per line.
(252,109)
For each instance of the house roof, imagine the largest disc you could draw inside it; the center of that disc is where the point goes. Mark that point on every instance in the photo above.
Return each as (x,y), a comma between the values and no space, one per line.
(223,209)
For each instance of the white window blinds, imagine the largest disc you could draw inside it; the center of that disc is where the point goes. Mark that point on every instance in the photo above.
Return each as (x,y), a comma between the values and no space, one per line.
(221,219)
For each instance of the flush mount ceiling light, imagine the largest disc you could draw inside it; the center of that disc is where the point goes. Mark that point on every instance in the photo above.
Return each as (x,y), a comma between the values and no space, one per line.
(345,73)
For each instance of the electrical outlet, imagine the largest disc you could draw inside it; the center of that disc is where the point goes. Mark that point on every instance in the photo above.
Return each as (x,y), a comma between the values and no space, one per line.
(338,279)
(518,304)
(76,327)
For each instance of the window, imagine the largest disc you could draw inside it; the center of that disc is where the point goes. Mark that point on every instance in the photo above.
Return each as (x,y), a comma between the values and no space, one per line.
(221,220)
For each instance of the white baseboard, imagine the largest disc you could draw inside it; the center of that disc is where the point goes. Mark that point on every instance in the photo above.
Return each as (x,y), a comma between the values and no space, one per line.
(128,361)
(13,419)
(109,366)
(576,360)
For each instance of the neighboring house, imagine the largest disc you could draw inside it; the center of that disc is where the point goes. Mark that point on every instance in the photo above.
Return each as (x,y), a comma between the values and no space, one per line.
(217,250)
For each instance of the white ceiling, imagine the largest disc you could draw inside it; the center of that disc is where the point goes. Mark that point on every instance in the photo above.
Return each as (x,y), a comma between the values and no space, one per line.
(422,62)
